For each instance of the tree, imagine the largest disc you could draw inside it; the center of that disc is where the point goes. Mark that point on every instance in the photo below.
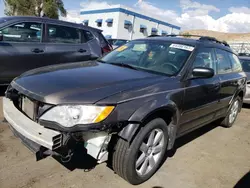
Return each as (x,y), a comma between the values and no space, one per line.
(48,8)
(51,8)
(19,7)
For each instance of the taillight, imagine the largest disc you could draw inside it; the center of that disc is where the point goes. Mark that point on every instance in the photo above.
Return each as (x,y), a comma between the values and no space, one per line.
(106,49)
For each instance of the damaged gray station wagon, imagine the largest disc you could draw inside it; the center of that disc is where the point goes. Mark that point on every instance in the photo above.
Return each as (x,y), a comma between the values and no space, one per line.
(130,106)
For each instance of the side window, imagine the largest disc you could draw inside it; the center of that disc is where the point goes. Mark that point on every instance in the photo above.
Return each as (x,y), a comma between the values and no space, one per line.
(88,35)
(101,38)
(63,34)
(236,65)
(223,62)
(23,32)
(204,58)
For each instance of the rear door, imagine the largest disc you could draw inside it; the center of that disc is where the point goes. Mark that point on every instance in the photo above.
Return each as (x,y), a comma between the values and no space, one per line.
(65,44)
(229,69)
(21,49)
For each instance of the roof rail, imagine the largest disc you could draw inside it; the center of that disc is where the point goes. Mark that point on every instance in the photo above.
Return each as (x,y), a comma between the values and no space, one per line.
(244,54)
(154,36)
(201,38)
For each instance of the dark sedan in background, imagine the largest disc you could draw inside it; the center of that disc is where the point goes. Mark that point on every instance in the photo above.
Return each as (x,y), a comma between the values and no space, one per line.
(31,42)
(245,61)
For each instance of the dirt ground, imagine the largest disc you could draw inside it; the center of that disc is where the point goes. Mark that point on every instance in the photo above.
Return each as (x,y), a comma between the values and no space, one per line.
(209,157)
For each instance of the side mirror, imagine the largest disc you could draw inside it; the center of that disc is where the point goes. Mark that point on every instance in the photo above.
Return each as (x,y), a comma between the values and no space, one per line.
(1,37)
(202,72)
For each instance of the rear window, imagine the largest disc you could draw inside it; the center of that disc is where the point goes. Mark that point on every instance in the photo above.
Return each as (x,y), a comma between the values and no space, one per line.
(101,38)
(88,35)
(245,65)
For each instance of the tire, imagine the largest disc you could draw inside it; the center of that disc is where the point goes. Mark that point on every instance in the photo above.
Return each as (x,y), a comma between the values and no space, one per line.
(229,120)
(126,155)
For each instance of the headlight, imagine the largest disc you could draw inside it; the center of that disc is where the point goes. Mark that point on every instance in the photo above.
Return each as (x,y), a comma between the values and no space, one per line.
(68,116)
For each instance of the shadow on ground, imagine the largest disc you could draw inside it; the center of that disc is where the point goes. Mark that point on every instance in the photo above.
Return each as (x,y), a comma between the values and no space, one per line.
(190,137)
(246,106)
(2,90)
(244,182)
(81,160)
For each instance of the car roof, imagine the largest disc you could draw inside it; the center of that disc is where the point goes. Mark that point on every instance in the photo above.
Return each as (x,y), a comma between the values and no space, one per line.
(189,41)
(34,18)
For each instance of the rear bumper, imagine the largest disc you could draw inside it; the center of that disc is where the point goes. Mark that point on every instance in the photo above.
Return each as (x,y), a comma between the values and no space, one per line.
(32,134)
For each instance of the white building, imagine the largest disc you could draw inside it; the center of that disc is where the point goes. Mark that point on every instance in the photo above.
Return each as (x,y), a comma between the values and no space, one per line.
(125,23)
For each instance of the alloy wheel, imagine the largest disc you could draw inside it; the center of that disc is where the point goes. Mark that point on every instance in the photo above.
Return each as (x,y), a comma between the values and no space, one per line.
(150,152)
(234,111)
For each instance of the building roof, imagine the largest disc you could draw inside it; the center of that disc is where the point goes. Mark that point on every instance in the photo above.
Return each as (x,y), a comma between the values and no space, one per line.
(129,11)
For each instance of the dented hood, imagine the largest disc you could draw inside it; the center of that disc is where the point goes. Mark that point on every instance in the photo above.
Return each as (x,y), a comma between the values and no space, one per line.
(85,82)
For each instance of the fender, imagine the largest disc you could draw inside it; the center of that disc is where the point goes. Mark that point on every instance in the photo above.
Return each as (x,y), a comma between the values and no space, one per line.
(145,111)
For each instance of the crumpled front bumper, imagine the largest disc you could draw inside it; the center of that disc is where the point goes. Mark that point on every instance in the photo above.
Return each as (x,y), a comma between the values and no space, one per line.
(28,130)
(43,141)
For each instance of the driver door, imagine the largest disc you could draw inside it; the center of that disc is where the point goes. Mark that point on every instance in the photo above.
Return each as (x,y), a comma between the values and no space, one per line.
(201,95)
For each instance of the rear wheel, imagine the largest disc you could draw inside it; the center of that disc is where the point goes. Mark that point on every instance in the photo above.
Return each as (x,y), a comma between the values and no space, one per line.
(138,161)
(232,113)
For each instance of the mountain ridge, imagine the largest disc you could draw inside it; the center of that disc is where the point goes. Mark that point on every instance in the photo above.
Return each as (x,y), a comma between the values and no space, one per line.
(229,37)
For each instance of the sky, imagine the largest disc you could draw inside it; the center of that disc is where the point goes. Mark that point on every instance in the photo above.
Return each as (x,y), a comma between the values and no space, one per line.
(218,15)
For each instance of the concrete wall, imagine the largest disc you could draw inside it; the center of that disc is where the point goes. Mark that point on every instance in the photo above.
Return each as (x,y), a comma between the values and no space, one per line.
(104,16)
(121,13)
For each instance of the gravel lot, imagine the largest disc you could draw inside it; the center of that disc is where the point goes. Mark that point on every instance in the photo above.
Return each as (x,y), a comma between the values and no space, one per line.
(209,157)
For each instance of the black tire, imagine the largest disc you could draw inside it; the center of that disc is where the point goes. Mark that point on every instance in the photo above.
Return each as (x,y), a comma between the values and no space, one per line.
(125,154)
(226,121)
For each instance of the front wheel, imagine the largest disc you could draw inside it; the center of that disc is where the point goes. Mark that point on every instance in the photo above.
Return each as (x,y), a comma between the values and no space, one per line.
(138,161)
(233,111)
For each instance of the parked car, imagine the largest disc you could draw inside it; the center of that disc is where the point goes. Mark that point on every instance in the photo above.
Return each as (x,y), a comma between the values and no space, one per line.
(111,41)
(130,106)
(30,42)
(117,42)
(245,61)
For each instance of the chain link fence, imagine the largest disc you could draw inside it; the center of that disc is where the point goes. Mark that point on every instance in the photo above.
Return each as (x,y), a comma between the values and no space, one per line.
(240,47)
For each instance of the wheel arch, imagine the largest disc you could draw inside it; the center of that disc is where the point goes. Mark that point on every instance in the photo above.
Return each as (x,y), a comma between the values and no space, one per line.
(241,94)
(168,112)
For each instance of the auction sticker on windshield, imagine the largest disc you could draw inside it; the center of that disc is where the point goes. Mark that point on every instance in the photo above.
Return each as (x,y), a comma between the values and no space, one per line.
(140,47)
(182,47)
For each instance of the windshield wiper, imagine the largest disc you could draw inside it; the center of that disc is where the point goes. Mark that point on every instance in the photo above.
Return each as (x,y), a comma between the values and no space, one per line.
(124,65)
(101,61)
(118,64)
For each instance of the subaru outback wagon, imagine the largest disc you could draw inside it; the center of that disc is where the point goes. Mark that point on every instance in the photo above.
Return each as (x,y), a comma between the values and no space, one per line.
(129,107)
(31,42)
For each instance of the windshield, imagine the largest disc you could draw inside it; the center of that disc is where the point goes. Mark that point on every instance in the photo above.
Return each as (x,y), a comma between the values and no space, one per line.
(245,65)
(119,42)
(154,56)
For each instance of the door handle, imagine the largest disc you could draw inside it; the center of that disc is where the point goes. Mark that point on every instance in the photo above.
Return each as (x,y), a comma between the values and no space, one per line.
(214,87)
(82,50)
(37,50)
